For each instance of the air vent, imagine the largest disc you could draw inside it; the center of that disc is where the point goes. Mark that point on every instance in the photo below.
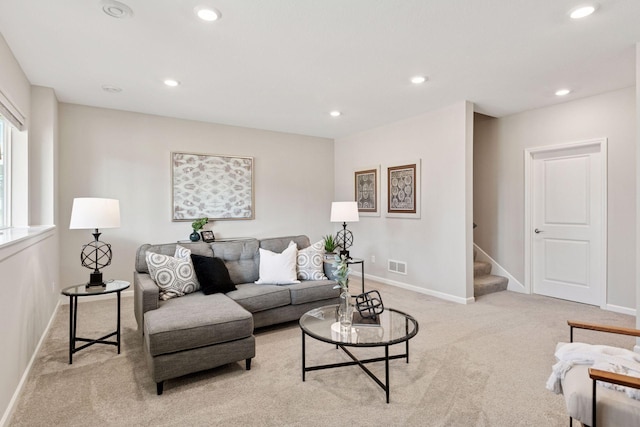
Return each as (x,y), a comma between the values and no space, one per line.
(399,267)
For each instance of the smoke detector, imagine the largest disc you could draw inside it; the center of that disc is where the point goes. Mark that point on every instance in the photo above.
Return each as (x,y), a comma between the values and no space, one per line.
(115,9)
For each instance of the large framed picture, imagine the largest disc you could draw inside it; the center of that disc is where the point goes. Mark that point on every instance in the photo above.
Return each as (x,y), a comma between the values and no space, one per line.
(213,186)
(403,191)
(367,191)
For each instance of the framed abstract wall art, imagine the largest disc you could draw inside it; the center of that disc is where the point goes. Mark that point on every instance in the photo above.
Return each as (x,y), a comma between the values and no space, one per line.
(214,186)
(367,191)
(403,191)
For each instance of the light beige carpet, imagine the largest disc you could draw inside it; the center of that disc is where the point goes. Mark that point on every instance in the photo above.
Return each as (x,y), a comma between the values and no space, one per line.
(483,364)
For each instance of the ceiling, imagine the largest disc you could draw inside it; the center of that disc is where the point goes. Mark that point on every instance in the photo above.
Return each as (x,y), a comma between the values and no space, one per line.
(283,65)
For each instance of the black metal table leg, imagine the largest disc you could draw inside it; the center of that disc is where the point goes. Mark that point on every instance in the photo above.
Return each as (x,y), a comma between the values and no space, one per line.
(118,330)
(72,336)
(303,360)
(593,406)
(406,325)
(362,265)
(386,370)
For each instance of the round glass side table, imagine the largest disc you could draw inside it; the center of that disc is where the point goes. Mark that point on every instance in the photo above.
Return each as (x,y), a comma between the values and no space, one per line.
(76,291)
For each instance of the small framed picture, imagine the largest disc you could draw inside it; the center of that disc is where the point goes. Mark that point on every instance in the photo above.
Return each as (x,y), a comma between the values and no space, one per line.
(207,236)
(367,192)
(403,191)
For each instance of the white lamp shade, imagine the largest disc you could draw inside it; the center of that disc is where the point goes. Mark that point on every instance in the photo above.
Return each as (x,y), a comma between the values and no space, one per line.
(344,212)
(90,212)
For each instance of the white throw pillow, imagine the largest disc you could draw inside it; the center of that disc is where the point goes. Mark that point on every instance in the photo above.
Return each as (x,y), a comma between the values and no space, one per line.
(278,269)
(174,276)
(311,262)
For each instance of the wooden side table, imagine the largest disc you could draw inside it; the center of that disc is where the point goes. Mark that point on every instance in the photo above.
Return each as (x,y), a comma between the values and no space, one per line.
(73,292)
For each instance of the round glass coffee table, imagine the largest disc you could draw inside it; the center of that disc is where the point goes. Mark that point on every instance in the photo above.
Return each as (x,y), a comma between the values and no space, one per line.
(392,327)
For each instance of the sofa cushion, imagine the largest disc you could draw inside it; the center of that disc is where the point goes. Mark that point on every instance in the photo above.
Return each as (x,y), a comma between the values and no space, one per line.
(174,276)
(312,290)
(260,297)
(193,321)
(240,257)
(212,274)
(278,268)
(311,262)
(198,248)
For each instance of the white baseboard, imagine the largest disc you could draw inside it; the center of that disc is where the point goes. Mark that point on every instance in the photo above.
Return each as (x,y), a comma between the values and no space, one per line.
(514,284)
(64,300)
(437,294)
(16,394)
(618,309)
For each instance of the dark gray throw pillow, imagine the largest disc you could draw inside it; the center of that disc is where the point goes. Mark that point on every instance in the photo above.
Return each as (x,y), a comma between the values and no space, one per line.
(212,274)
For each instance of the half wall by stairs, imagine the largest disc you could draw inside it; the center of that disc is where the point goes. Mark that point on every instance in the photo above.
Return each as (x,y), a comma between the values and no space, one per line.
(483,281)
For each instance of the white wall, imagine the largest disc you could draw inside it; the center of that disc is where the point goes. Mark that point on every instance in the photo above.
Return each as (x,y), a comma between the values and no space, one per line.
(29,269)
(637,263)
(438,246)
(116,154)
(499,179)
(43,155)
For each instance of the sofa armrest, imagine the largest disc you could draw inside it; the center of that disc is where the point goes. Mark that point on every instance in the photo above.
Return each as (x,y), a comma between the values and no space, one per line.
(146,295)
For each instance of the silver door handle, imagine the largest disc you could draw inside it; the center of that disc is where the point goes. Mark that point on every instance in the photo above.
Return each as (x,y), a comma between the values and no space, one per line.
(538,231)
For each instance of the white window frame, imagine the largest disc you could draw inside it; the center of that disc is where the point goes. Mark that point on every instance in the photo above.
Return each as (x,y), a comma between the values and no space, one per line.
(5,220)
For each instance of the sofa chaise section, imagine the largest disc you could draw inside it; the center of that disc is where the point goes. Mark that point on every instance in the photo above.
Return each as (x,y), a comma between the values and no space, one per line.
(197,331)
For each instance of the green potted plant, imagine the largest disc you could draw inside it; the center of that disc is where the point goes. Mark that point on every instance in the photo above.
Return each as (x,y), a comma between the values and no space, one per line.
(330,244)
(197,226)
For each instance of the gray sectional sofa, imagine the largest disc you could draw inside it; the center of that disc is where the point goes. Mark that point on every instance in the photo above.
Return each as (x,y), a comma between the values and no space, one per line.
(197,331)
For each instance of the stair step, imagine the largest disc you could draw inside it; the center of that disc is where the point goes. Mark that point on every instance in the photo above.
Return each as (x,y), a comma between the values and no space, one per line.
(488,284)
(481,268)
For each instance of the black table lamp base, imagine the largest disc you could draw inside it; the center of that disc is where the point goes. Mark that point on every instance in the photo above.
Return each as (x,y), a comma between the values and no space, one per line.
(95,280)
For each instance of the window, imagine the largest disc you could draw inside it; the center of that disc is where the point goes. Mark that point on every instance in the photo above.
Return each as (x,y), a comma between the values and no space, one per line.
(4,173)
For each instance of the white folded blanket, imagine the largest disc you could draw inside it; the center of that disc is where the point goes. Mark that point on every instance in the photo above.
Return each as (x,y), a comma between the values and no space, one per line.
(603,357)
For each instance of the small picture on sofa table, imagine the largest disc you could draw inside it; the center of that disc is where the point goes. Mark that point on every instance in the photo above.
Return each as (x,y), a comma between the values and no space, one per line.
(207,236)
(403,191)
(367,191)
(212,186)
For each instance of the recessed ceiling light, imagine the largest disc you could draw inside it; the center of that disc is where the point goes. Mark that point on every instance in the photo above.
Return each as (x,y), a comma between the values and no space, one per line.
(111,89)
(416,80)
(208,14)
(171,82)
(115,9)
(582,11)
(335,113)
(563,92)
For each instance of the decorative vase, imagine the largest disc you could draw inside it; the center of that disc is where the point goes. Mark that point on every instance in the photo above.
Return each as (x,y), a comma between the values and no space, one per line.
(345,312)
(195,236)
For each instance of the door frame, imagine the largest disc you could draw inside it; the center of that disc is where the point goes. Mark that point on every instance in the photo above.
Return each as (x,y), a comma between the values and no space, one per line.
(529,154)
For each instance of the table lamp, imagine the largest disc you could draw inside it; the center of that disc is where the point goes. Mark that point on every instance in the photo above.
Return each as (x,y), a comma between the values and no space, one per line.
(344,212)
(94,213)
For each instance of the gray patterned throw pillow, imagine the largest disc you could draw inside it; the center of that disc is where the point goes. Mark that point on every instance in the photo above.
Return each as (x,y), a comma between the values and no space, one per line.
(311,262)
(174,276)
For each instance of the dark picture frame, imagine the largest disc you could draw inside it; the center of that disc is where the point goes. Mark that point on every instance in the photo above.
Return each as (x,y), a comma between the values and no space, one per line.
(366,190)
(218,187)
(207,236)
(402,197)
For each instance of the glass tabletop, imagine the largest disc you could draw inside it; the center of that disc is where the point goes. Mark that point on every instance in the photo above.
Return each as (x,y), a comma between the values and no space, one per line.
(393,327)
(83,290)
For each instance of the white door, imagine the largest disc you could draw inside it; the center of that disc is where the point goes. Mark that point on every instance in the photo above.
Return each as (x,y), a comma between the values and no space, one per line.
(567,224)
